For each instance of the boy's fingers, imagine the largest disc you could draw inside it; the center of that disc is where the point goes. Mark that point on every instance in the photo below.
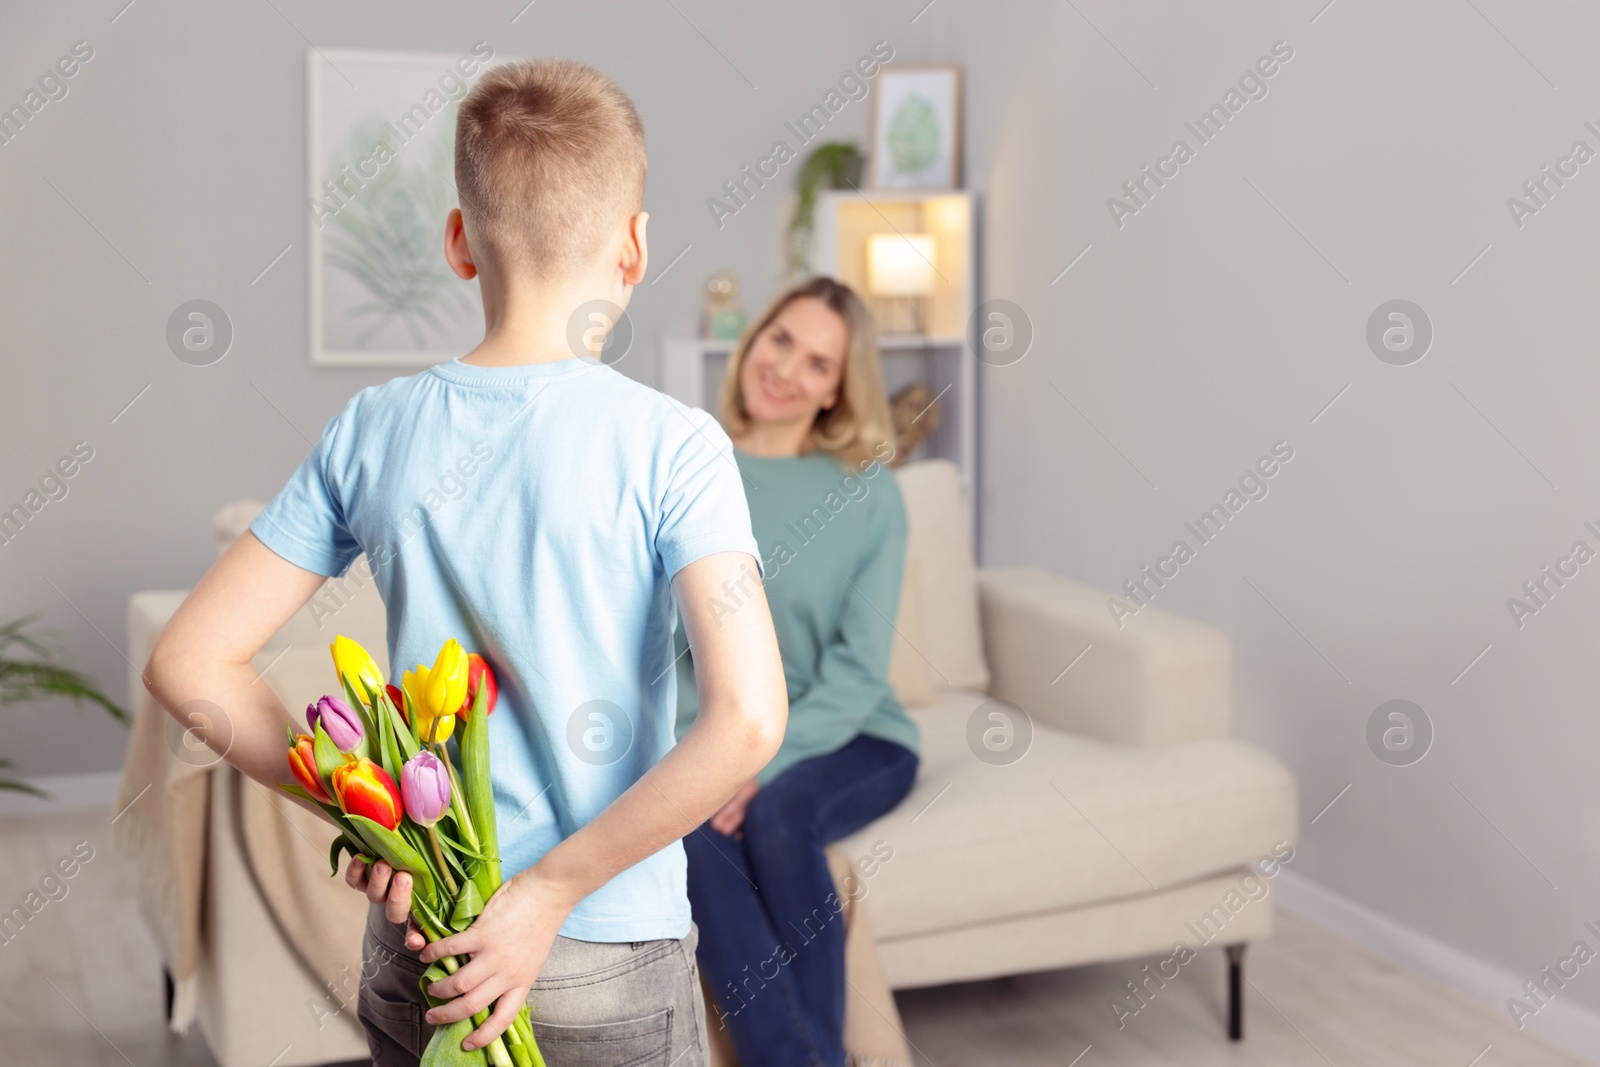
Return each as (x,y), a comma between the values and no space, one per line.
(454,945)
(465,1006)
(355,875)
(378,882)
(499,1020)
(398,906)
(464,981)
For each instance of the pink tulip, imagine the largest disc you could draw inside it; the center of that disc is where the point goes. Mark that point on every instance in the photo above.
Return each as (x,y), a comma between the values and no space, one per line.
(425,788)
(339,722)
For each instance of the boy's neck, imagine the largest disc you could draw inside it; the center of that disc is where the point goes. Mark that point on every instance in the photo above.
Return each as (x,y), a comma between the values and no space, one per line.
(523,326)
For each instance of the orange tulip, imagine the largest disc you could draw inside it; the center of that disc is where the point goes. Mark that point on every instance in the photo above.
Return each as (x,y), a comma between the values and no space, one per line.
(364,788)
(303,762)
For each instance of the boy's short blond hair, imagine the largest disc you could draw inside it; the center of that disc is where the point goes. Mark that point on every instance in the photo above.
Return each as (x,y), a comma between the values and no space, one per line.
(549,160)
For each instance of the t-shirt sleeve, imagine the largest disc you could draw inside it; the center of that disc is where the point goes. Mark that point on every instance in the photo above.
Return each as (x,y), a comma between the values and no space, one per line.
(703,506)
(306,523)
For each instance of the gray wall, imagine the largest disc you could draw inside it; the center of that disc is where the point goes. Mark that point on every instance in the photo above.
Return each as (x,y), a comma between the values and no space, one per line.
(1221,318)
(1212,325)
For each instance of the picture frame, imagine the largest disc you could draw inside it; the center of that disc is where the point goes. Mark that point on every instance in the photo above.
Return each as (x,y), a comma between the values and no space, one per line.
(915,135)
(380,146)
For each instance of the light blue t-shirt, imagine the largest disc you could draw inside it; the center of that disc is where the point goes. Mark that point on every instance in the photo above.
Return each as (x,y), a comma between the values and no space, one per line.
(536,513)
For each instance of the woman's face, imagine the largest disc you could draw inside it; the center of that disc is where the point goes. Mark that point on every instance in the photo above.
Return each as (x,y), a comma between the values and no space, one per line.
(795,365)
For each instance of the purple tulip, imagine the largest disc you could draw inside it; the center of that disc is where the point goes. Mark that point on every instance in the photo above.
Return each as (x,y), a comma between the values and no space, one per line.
(425,788)
(339,722)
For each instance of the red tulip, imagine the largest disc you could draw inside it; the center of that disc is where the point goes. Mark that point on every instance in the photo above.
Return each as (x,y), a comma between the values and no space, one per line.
(478,673)
(399,701)
(303,762)
(364,788)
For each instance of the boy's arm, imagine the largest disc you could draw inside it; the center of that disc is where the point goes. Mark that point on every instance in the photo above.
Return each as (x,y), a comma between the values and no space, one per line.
(743,709)
(204,655)
(201,662)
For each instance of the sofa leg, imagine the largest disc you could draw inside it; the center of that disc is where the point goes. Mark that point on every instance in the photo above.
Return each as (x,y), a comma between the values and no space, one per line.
(170,989)
(1235,992)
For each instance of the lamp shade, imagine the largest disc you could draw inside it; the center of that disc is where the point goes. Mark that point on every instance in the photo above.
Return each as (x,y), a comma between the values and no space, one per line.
(900,264)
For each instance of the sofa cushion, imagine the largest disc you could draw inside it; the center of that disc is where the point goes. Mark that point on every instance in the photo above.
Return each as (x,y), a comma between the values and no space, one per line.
(1072,822)
(908,671)
(946,579)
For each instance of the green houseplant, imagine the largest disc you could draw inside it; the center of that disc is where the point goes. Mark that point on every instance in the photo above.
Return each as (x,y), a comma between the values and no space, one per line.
(29,670)
(834,165)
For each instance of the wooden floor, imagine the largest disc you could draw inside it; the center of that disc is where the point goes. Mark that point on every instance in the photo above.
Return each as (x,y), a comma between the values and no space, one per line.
(80,985)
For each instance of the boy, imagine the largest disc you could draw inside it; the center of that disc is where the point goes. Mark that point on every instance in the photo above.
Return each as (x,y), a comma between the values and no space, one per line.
(590,500)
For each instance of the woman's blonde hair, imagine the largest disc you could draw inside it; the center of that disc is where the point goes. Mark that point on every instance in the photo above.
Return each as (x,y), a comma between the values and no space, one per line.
(857,427)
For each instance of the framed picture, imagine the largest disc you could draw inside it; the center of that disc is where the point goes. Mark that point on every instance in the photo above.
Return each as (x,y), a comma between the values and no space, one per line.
(916,128)
(380,181)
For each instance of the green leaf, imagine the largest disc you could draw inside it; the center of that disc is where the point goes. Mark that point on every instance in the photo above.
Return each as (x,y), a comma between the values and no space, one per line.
(435,973)
(445,1048)
(400,853)
(329,758)
(387,744)
(397,723)
(478,788)
(456,845)
(469,905)
(433,927)
(341,845)
(367,725)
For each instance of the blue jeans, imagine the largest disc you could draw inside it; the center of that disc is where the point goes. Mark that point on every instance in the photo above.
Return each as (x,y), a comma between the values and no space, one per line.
(771,940)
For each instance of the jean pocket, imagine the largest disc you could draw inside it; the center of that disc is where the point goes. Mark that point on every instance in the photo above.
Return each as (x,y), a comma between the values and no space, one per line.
(393,1024)
(645,1042)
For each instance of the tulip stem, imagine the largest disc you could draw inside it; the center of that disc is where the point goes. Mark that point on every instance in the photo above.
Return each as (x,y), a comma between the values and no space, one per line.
(457,801)
(444,868)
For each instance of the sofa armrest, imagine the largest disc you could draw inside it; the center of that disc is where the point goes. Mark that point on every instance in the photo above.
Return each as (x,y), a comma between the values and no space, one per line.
(1157,680)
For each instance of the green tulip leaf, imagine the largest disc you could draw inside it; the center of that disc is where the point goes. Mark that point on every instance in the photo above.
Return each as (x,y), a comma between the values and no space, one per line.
(475,780)
(289,726)
(336,851)
(397,723)
(445,1048)
(435,973)
(328,756)
(399,852)
(469,905)
(355,701)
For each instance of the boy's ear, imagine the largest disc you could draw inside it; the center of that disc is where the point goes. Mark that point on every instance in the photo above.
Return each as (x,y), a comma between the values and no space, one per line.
(456,252)
(635,251)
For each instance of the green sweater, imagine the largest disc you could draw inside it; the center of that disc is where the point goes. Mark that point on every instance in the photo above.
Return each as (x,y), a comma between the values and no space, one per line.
(833,546)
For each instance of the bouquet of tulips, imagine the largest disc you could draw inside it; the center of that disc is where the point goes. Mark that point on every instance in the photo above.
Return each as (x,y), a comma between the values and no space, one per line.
(437,824)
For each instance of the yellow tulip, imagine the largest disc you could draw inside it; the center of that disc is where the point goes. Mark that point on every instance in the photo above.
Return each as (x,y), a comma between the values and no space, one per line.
(415,684)
(356,666)
(447,681)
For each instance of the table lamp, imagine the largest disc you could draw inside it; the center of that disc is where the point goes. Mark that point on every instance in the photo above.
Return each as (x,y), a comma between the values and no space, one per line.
(900,275)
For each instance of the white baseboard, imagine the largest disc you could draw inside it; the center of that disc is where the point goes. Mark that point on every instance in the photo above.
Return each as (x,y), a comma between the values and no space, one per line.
(95,791)
(1562,1023)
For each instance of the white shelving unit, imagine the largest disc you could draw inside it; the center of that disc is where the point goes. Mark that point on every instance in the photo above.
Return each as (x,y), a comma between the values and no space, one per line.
(691,370)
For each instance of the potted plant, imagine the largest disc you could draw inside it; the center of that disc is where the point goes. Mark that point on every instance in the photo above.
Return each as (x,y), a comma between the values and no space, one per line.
(834,165)
(29,670)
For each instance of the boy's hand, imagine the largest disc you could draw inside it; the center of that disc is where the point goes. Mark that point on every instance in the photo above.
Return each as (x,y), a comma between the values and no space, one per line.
(730,817)
(508,943)
(383,886)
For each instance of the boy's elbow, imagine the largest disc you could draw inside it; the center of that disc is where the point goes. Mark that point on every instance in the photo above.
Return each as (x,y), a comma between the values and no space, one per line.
(162,670)
(764,730)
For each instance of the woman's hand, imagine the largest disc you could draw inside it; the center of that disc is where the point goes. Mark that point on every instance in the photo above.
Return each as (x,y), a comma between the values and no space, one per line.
(730,817)
(383,886)
(508,943)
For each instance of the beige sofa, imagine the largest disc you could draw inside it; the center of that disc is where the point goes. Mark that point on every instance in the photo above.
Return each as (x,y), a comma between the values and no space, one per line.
(1078,799)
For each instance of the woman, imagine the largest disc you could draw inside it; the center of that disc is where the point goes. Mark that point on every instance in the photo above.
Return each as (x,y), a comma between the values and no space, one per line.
(804,404)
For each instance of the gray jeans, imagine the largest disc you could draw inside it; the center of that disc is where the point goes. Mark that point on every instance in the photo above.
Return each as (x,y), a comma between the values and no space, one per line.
(595,1004)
